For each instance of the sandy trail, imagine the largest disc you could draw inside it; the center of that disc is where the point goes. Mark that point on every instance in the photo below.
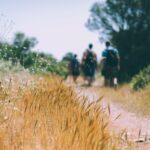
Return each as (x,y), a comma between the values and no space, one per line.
(128,121)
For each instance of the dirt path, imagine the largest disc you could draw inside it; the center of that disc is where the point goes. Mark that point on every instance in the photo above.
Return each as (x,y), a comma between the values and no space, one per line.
(138,128)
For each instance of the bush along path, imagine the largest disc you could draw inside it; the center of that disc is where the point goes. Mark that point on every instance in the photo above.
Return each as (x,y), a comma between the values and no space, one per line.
(136,128)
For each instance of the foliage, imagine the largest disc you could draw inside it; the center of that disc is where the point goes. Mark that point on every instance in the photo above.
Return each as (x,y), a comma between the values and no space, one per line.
(6,51)
(142,79)
(44,63)
(126,24)
(68,57)
(20,51)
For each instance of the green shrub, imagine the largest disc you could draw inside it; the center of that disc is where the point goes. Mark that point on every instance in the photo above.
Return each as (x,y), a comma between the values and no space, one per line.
(142,79)
(48,66)
(20,53)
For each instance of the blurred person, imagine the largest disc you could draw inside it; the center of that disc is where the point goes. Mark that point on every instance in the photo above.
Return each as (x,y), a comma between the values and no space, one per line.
(89,64)
(74,68)
(110,65)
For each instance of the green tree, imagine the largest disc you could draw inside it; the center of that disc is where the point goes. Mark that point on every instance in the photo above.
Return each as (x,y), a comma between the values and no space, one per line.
(68,56)
(126,23)
(29,59)
(22,45)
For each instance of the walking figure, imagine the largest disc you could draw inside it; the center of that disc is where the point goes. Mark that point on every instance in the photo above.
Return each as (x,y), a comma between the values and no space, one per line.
(89,64)
(74,68)
(110,65)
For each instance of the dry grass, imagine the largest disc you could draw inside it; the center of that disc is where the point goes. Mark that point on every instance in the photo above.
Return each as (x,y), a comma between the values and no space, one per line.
(134,101)
(44,114)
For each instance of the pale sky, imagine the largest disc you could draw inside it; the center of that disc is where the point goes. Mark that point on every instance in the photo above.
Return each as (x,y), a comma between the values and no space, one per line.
(58,25)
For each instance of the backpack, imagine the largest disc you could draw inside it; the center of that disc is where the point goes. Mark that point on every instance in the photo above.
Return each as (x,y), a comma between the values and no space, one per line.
(75,64)
(90,58)
(112,58)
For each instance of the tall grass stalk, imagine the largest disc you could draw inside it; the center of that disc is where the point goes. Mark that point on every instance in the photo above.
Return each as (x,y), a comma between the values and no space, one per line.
(48,115)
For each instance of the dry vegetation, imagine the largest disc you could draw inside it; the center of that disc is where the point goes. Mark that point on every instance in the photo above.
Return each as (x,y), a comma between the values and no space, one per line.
(42,113)
(134,101)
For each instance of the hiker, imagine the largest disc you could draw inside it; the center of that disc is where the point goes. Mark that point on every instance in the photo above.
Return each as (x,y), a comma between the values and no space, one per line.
(89,64)
(74,68)
(110,65)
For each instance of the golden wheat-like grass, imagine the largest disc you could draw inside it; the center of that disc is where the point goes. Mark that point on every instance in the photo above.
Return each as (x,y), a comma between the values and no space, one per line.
(45,114)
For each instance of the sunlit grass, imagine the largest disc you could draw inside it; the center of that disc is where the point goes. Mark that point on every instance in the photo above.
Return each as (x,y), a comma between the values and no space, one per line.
(42,113)
(134,101)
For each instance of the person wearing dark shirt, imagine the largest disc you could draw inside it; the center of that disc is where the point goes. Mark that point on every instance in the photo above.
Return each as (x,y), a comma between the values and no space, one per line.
(89,64)
(74,66)
(110,65)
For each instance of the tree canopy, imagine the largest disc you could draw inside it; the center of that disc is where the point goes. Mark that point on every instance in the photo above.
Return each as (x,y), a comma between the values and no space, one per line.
(126,23)
(68,56)
(21,51)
